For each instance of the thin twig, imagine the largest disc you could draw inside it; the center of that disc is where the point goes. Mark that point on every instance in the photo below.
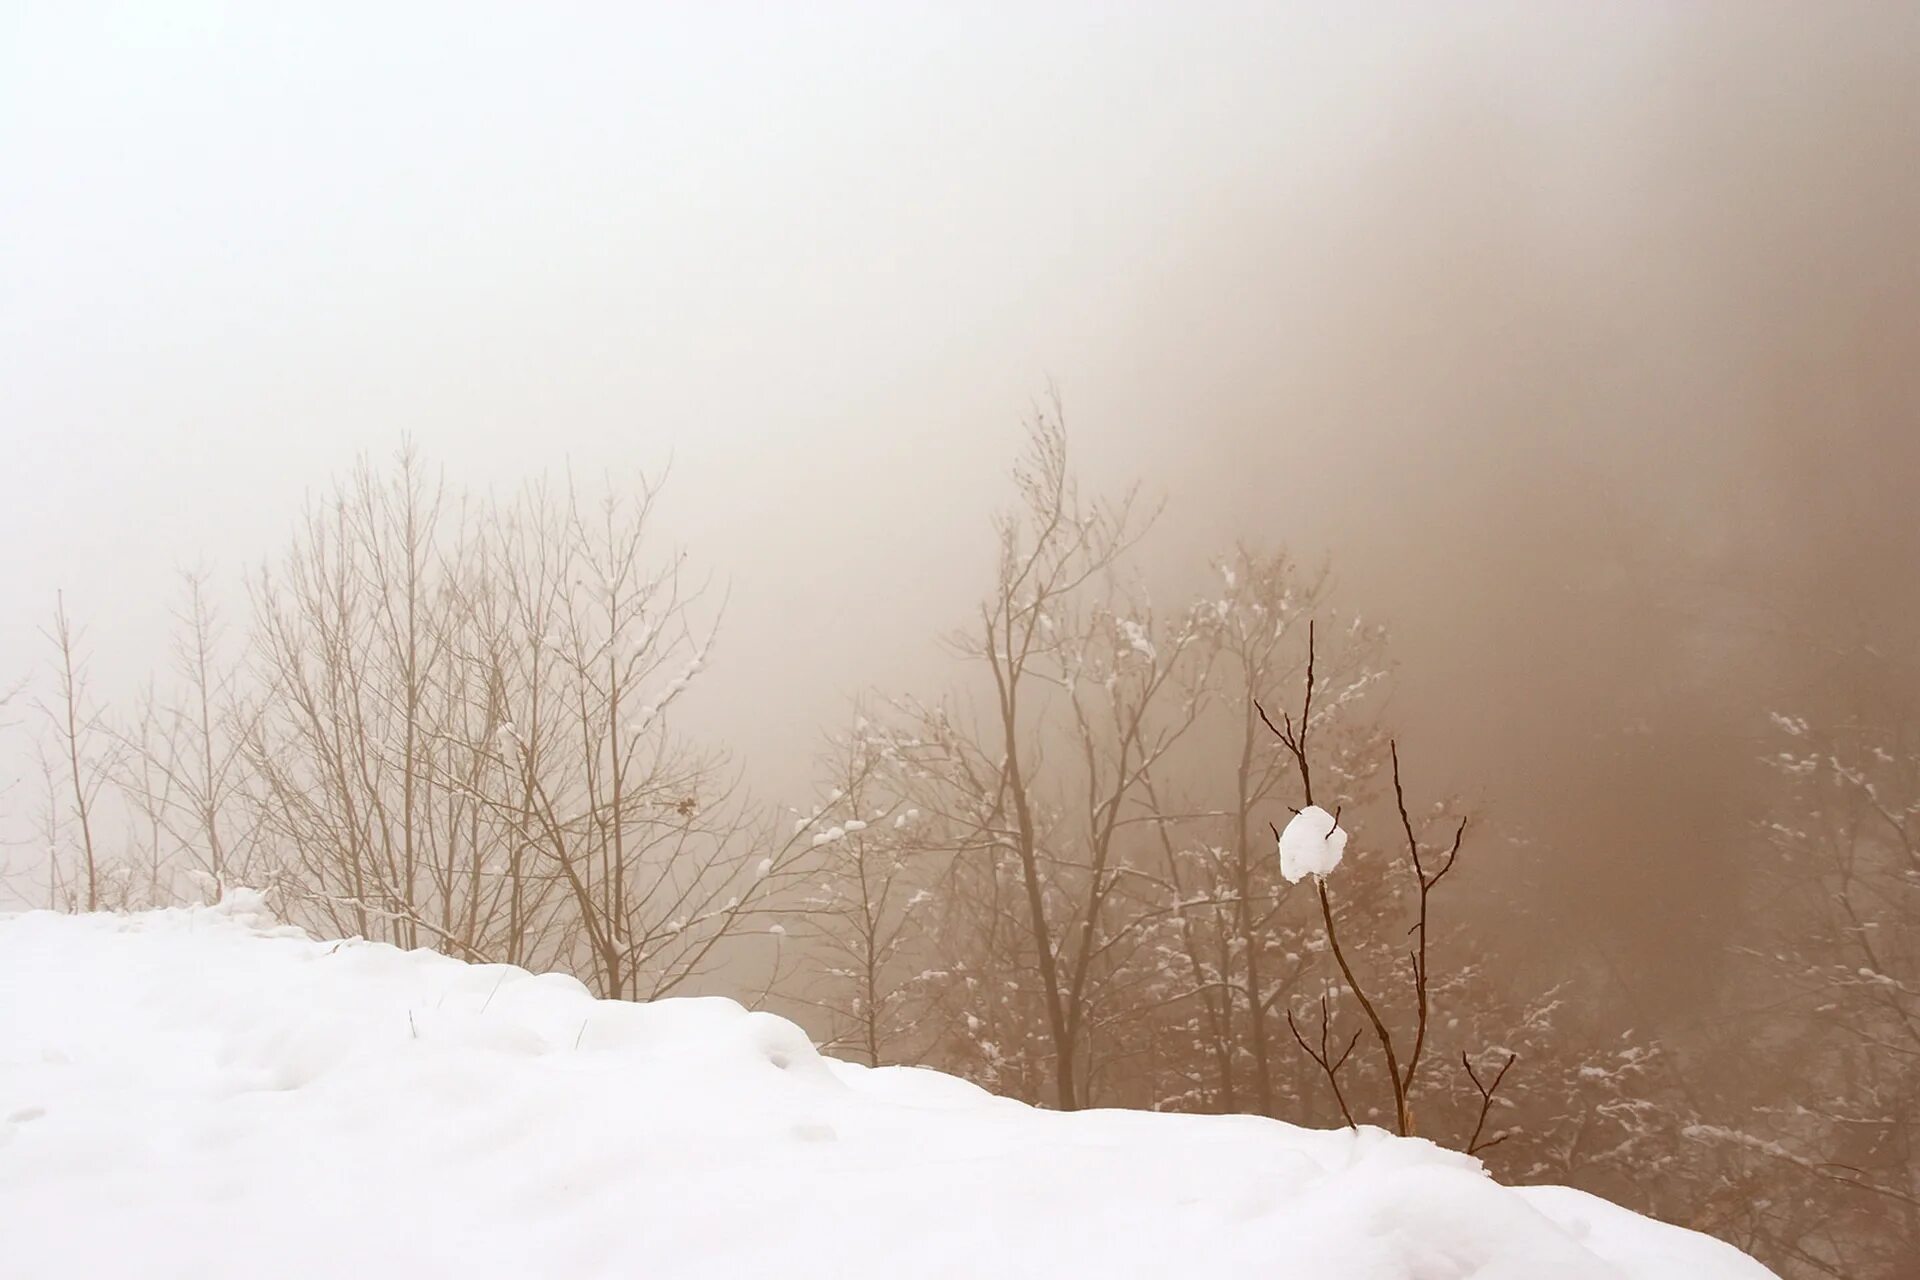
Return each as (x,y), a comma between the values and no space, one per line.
(1328,1064)
(1474,1145)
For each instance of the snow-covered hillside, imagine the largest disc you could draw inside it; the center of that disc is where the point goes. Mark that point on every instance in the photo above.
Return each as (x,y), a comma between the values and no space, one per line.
(201,1094)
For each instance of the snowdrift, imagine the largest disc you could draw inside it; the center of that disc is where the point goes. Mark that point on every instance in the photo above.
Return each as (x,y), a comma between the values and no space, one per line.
(199,1093)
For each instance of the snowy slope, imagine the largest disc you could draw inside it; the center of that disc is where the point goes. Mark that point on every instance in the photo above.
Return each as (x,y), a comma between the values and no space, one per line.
(200,1094)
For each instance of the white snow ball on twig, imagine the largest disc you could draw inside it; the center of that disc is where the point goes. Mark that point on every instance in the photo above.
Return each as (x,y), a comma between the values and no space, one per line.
(1311,845)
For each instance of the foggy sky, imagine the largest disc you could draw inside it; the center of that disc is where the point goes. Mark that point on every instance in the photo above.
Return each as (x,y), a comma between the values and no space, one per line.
(1580,338)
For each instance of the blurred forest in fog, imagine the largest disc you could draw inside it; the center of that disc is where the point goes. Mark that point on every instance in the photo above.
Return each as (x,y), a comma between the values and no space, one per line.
(453,721)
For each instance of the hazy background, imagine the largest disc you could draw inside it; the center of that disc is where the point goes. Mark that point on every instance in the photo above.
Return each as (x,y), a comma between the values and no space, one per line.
(1582,339)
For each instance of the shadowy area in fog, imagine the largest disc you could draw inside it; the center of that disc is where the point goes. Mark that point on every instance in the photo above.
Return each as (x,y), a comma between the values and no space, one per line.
(1610,411)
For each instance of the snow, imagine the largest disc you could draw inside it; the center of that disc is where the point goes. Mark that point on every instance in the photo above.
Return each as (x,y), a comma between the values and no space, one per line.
(201,1093)
(1311,845)
(1137,639)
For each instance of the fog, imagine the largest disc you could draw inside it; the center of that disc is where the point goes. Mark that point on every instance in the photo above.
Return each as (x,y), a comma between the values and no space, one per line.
(1578,339)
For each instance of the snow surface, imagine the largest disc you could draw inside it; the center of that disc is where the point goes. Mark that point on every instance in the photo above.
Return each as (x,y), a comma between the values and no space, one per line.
(1311,845)
(199,1093)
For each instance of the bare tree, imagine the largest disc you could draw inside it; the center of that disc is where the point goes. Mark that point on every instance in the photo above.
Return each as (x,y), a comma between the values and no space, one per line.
(1400,1052)
(350,635)
(147,794)
(1244,956)
(8,698)
(1089,693)
(1096,921)
(869,874)
(86,762)
(1829,1182)
(1054,547)
(185,771)
(646,836)
(462,735)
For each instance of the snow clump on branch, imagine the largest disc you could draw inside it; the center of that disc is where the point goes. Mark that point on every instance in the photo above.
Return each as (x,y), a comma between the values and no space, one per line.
(1311,845)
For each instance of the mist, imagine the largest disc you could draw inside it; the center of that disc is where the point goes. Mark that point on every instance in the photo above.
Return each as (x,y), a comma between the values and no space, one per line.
(1578,341)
